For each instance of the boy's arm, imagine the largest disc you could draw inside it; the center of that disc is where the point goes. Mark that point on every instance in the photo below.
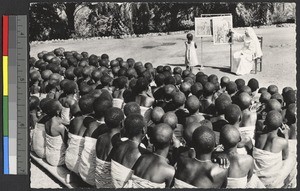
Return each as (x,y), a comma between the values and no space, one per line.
(64,134)
(170,177)
(285,150)
(250,173)
(224,185)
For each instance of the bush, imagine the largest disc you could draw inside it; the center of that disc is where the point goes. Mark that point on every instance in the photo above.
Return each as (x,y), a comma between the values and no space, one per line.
(64,20)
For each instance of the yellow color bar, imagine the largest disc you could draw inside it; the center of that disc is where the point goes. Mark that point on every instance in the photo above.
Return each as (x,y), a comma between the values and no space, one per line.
(5,75)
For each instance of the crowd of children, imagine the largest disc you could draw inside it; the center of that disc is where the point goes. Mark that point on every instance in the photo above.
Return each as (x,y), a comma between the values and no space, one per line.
(123,124)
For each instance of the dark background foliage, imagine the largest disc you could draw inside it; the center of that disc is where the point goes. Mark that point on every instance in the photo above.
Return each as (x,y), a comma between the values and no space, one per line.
(82,20)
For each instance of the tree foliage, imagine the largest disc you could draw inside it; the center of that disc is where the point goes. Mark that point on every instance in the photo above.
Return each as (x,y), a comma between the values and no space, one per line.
(72,20)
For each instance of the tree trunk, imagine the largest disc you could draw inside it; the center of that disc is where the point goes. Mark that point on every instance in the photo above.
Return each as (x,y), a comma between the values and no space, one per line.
(70,9)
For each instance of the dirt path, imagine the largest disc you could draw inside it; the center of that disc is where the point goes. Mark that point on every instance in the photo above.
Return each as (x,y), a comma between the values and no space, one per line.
(279,49)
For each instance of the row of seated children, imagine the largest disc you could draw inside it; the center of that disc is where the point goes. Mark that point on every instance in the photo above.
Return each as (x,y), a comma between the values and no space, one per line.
(124,124)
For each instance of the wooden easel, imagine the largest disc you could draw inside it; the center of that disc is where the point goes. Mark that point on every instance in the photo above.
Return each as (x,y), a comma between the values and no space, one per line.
(230,44)
(201,52)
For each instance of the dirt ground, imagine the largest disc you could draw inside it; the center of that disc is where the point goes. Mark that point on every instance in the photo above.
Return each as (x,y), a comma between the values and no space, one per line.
(279,62)
(279,49)
(40,178)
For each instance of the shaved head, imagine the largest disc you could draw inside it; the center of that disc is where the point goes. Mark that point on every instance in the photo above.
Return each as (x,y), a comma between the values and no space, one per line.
(34,102)
(209,89)
(113,117)
(179,99)
(262,89)
(188,132)
(224,81)
(192,104)
(264,97)
(286,89)
(244,100)
(186,87)
(278,97)
(273,104)
(178,79)
(203,140)
(159,79)
(202,79)
(291,113)
(206,123)
(101,106)
(253,84)
(221,103)
(272,89)
(213,78)
(240,83)
(161,135)
(229,136)
(197,89)
(53,107)
(233,113)
(290,97)
(86,104)
(273,120)
(170,118)
(134,125)
(132,107)
(231,87)
(156,114)
(169,80)
(70,87)
(169,89)
(246,89)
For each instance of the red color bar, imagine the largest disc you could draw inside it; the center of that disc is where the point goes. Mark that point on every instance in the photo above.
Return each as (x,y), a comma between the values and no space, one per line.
(5,36)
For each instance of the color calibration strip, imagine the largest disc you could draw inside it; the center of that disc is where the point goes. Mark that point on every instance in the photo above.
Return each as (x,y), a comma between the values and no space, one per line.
(15,94)
(22,94)
(5,95)
(12,92)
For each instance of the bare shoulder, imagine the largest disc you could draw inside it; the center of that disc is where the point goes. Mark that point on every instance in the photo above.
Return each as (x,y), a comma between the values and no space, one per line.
(245,160)
(217,172)
(280,141)
(93,124)
(169,171)
(185,162)
(103,136)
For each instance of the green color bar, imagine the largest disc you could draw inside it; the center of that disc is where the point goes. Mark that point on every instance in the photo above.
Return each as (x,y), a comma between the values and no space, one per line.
(5,115)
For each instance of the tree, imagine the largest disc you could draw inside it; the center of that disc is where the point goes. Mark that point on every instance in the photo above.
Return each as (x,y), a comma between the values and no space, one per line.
(141,18)
(45,23)
(70,9)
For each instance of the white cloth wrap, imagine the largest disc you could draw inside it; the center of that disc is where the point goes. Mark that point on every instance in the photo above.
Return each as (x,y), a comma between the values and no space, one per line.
(117,102)
(255,182)
(103,174)
(248,132)
(65,114)
(271,169)
(39,140)
(73,152)
(181,184)
(55,150)
(236,182)
(42,96)
(137,182)
(86,168)
(291,181)
(120,174)
(143,110)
